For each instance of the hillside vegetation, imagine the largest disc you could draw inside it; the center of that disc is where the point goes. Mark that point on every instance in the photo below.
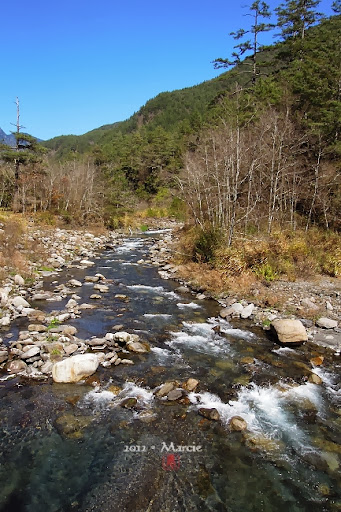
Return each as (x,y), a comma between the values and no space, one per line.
(251,153)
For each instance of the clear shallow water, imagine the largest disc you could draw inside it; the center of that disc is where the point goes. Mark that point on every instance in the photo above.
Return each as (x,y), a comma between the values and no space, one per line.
(74,448)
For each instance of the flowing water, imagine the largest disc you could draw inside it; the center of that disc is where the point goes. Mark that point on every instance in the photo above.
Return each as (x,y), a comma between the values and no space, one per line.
(74,448)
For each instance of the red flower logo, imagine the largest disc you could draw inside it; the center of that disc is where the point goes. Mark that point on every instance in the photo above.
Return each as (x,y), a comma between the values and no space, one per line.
(171,462)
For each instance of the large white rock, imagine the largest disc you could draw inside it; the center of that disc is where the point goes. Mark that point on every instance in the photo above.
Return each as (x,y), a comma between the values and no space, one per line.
(75,368)
(247,311)
(289,331)
(20,301)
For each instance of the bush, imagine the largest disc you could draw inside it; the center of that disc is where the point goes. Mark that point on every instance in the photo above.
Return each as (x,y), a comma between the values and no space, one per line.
(205,245)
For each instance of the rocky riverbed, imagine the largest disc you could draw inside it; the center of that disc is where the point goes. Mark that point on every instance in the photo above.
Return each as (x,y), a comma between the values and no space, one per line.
(127,377)
(48,339)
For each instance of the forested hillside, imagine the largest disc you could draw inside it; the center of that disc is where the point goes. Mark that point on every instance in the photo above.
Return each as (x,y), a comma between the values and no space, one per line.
(255,148)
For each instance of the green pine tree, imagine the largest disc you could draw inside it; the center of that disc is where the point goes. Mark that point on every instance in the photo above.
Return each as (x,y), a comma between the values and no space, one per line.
(258,11)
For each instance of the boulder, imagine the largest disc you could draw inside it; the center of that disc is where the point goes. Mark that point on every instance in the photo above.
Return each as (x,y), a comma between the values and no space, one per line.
(91,279)
(42,296)
(20,281)
(3,355)
(70,349)
(289,331)
(125,337)
(33,351)
(309,304)
(102,288)
(165,389)
(128,403)
(209,414)
(37,328)
(4,321)
(16,366)
(247,311)
(87,263)
(175,394)
(72,303)
(237,424)
(4,296)
(69,330)
(225,312)
(19,301)
(75,368)
(191,384)
(46,367)
(74,283)
(326,323)
(137,347)
(315,379)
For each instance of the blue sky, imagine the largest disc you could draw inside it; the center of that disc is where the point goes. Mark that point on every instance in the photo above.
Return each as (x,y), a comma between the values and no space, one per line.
(76,65)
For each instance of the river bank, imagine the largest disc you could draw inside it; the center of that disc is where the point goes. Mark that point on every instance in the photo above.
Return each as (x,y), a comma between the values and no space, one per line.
(317,303)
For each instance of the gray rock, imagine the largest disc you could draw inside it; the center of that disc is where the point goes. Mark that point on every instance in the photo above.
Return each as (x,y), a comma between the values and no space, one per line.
(69,330)
(165,389)
(20,281)
(97,342)
(247,311)
(34,351)
(16,366)
(42,296)
(237,308)
(19,301)
(102,288)
(175,394)
(70,349)
(326,323)
(37,328)
(91,279)
(46,367)
(309,304)
(6,320)
(74,283)
(329,307)
(3,355)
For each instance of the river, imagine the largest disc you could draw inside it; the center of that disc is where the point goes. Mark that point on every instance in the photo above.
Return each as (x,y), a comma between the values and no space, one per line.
(75,448)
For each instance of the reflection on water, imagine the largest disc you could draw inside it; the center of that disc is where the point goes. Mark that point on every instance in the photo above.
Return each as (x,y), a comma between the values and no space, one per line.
(115,447)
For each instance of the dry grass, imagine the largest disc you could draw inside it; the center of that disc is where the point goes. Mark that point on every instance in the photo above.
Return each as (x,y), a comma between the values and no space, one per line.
(16,251)
(257,269)
(284,254)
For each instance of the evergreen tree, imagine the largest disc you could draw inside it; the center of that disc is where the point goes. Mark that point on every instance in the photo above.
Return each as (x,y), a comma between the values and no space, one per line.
(295,16)
(336,6)
(258,10)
